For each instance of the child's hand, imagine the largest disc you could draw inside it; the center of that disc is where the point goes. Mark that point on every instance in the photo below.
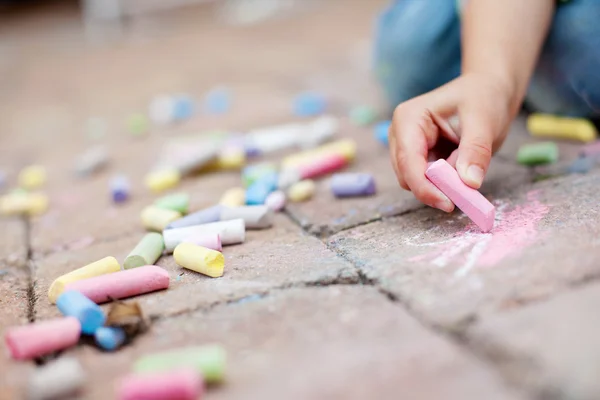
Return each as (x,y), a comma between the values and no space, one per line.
(420,132)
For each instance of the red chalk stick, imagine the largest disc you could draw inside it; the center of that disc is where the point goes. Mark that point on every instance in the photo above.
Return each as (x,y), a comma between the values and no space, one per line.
(469,200)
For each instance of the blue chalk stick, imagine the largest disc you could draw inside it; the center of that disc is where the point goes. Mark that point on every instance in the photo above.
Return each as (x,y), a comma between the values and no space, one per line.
(183,108)
(309,104)
(74,304)
(109,338)
(205,216)
(581,166)
(257,193)
(217,101)
(381,131)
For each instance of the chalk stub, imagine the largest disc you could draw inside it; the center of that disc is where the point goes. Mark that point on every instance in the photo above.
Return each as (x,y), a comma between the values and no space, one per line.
(146,252)
(538,153)
(352,185)
(89,314)
(179,202)
(204,216)
(41,338)
(301,191)
(157,219)
(200,259)
(276,200)
(180,384)
(255,217)
(109,337)
(469,200)
(58,379)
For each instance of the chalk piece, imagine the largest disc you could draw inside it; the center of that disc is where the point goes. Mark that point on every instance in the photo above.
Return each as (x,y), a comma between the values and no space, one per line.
(179,202)
(157,219)
(209,360)
(344,147)
(75,304)
(58,379)
(137,124)
(469,200)
(274,138)
(318,131)
(352,185)
(252,173)
(183,108)
(106,265)
(161,109)
(205,216)
(276,200)
(119,188)
(43,337)
(217,101)
(233,197)
(301,191)
(257,193)
(552,126)
(321,164)
(538,153)
(179,384)
(581,165)
(91,161)
(231,232)
(122,284)
(255,217)
(381,132)
(23,203)
(363,115)
(163,179)
(200,259)
(109,338)
(32,177)
(229,158)
(309,104)
(146,252)
(208,240)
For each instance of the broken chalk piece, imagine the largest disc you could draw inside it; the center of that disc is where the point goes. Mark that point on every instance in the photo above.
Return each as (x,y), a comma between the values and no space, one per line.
(276,200)
(352,185)
(252,173)
(122,284)
(32,177)
(469,200)
(209,360)
(157,219)
(318,131)
(89,314)
(91,161)
(23,203)
(183,107)
(146,252)
(41,338)
(552,126)
(110,338)
(538,153)
(119,188)
(163,179)
(179,202)
(106,265)
(381,132)
(301,191)
(200,259)
(231,232)
(180,384)
(205,216)
(234,197)
(217,101)
(137,124)
(208,240)
(257,193)
(255,217)
(309,104)
(363,115)
(161,109)
(581,165)
(58,379)
(344,147)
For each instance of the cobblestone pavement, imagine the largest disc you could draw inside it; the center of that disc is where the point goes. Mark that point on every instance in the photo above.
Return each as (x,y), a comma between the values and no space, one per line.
(369,298)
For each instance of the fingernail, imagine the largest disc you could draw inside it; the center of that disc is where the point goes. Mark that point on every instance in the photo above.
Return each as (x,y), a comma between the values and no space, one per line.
(445,205)
(475,175)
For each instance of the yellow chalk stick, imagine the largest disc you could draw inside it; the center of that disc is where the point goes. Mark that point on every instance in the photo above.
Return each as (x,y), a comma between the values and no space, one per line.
(32,177)
(200,259)
(19,203)
(344,147)
(301,191)
(551,126)
(227,160)
(161,180)
(234,197)
(156,218)
(104,266)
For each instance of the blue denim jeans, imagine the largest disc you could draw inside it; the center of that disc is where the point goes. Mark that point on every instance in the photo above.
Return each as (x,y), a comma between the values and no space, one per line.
(417,49)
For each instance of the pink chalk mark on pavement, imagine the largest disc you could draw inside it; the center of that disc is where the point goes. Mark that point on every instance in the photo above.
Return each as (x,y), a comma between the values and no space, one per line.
(513,231)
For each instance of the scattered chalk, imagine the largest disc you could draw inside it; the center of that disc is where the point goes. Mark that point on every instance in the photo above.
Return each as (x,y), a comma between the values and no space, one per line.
(200,259)
(204,216)
(230,232)
(276,200)
(109,337)
(91,161)
(32,177)
(179,202)
(23,203)
(157,219)
(538,153)
(137,124)
(255,217)
(41,338)
(75,304)
(363,115)
(552,126)
(469,200)
(122,284)
(309,104)
(381,132)
(120,188)
(233,197)
(106,265)
(146,252)
(301,191)
(209,360)
(352,185)
(60,378)
(163,179)
(180,384)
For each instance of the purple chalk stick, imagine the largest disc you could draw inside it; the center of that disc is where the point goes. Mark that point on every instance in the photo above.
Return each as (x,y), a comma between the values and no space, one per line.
(208,215)
(352,184)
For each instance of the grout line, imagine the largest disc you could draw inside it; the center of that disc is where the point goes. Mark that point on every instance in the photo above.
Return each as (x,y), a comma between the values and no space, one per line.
(31,297)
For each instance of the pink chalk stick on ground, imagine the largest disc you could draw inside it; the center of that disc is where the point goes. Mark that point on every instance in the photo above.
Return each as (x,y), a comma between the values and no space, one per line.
(122,284)
(35,340)
(469,200)
(208,240)
(322,165)
(186,384)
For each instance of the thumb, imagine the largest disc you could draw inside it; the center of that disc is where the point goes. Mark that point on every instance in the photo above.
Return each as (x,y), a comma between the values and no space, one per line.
(475,148)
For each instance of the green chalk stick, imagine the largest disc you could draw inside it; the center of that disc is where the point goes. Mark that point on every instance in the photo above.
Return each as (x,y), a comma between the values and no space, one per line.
(147,251)
(179,202)
(138,124)
(538,153)
(209,360)
(363,115)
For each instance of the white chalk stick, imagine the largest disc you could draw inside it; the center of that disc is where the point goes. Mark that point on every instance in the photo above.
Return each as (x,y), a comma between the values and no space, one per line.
(57,379)
(255,217)
(231,232)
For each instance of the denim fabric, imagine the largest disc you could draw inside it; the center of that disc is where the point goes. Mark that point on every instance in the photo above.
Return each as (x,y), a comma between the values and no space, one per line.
(417,49)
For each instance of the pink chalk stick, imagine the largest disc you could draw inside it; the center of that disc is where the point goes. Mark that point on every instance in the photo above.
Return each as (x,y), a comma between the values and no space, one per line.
(322,165)
(469,200)
(209,240)
(35,340)
(186,384)
(119,285)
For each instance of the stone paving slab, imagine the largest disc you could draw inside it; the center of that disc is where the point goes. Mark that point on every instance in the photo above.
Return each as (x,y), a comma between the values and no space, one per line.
(278,257)
(443,267)
(313,343)
(551,346)
(13,243)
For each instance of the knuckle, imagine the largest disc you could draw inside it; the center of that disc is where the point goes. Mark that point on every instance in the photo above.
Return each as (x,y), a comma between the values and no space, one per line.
(481,148)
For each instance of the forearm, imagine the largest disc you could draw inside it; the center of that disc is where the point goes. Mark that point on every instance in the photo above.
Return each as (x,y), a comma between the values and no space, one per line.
(504,39)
